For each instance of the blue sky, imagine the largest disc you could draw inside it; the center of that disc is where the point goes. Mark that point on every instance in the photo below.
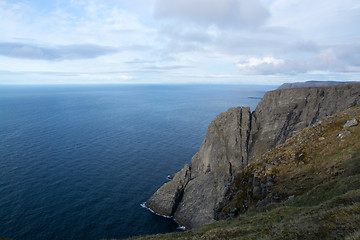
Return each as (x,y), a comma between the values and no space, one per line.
(179,41)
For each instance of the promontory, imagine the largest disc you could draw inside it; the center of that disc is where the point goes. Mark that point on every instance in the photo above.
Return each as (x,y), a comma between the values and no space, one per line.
(199,192)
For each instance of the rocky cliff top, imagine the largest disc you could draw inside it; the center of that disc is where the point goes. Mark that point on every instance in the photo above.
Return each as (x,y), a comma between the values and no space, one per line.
(312,84)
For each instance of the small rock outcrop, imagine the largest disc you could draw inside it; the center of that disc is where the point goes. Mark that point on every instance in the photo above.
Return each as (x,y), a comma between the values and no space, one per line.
(166,199)
(234,139)
(350,123)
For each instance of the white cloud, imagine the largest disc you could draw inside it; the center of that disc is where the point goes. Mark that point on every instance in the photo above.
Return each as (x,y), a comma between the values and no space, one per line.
(221,13)
(75,51)
(258,65)
(180,40)
(325,61)
(317,19)
(89,22)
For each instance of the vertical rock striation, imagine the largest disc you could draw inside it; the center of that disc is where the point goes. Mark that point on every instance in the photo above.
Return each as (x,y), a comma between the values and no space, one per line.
(235,138)
(223,150)
(281,113)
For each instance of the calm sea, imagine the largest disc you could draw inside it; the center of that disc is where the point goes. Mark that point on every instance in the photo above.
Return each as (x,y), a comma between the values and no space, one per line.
(76,162)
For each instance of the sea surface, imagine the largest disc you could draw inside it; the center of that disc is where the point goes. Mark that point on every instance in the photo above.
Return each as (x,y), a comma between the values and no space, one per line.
(76,162)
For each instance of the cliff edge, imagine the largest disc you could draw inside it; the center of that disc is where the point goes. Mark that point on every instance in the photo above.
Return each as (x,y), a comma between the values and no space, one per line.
(312,84)
(234,139)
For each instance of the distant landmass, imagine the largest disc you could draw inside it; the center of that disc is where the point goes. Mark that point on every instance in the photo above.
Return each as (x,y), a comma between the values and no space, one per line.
(312,84)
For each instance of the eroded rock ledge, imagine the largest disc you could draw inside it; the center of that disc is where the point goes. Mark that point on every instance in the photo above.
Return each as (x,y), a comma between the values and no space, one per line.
(234,138)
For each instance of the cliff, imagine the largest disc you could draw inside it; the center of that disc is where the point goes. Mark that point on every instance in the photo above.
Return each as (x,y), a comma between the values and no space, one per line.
(281,113)
(305,188)
(312,84)
(235,139)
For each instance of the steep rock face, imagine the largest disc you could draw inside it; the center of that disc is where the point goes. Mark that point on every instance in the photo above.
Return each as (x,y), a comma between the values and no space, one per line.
(166,199)
(224,146)
(192,201)
(235,138)
(223,150)
(284,112)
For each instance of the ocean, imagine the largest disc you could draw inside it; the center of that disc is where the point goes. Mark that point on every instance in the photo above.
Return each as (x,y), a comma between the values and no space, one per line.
(77,162)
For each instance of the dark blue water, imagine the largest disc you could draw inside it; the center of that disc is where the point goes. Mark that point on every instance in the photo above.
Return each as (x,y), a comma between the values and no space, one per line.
(76,162)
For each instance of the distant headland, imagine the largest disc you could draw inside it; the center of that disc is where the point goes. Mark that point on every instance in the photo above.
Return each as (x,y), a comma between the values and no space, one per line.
(312,84)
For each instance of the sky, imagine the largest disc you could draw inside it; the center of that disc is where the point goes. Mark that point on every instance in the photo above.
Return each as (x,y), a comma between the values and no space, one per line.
(179,41)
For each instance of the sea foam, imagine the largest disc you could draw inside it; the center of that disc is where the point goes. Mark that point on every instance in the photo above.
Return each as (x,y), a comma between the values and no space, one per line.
(180,227)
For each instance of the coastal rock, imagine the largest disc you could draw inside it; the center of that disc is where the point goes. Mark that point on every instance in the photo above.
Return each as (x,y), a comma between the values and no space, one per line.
(237,137)
(225,145)
(223,150)
(343,134)
(165,200)
(281,113)
(350,123)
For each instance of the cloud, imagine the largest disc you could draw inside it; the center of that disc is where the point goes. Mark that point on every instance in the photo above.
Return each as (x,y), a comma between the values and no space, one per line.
(164,68)
(67,52)
(221,13)
(328,60)
(257,65)
(154,66)
(14,77)
(68,22)
(172,40)
(186,33)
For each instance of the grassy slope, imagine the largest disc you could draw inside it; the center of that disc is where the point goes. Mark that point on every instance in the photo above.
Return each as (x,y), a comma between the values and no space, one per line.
(320,170)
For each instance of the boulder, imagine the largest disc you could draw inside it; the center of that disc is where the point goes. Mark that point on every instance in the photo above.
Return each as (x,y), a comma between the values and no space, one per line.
(166,199)
(343,134)
(350,123)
